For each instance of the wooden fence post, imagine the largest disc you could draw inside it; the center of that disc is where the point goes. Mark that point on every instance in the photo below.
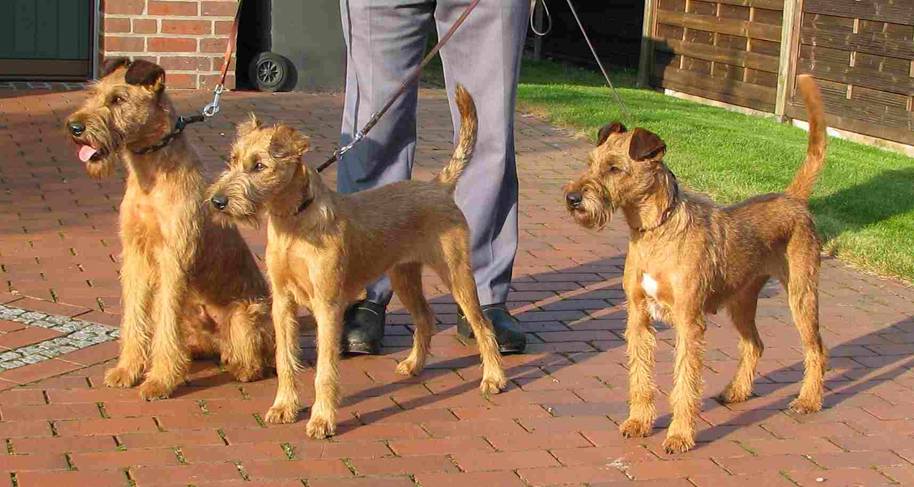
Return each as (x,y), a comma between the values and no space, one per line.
(790,37)
(646,59)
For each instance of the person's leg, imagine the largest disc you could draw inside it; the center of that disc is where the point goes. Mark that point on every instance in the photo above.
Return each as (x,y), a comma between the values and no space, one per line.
(484,56)
(385,41)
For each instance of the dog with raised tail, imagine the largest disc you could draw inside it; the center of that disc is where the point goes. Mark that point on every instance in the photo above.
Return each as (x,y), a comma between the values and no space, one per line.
(324,247)
(688,257)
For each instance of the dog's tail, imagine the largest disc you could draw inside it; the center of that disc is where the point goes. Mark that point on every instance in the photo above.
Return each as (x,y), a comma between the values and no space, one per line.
(805,179)
(466,140)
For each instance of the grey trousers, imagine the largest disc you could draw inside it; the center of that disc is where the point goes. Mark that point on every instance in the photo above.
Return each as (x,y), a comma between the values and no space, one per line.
(385,41)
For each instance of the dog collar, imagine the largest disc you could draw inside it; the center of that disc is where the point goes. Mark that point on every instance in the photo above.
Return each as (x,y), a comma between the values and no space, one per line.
(304,204)
(180,124)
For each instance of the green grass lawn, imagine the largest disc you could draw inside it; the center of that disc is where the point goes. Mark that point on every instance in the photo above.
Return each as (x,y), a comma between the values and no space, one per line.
(863,203)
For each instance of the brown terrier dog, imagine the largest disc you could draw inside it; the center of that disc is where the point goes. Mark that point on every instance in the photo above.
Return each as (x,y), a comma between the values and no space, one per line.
(688,257)
(324,247)
(190,287)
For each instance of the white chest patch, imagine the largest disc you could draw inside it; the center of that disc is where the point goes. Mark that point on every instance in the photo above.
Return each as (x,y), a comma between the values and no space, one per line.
(649,285)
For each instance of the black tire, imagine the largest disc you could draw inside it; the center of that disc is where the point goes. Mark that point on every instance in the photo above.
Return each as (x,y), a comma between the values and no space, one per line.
(270,72)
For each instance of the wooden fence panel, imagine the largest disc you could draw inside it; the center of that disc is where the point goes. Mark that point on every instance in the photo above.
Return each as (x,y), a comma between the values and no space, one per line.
(725,50)
(862,54)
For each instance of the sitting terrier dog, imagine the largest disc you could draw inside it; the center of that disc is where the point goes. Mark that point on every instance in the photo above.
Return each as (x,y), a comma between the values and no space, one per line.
(688,257)
(191,287)
(324,247)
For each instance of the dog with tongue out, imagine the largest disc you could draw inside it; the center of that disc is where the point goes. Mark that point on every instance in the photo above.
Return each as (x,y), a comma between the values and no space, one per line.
(190,286)
(87,152)
(116,117)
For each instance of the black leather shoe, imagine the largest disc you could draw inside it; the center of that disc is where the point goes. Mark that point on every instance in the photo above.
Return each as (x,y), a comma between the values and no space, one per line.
(510,338)
(363,328)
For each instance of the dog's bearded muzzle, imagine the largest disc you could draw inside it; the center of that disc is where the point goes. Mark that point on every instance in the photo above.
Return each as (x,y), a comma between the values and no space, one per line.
(96,144)
(232,201)
(588,204)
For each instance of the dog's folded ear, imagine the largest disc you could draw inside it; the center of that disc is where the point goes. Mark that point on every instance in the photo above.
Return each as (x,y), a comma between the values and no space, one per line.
(607,130)
(111,64)
(646,145)
(288,143)
(248,126)
(146,74)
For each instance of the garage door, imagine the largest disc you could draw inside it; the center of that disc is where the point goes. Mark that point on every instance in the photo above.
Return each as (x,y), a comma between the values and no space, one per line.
(45,39)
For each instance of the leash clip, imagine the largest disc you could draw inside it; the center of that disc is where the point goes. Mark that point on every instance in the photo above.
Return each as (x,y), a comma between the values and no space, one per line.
(355,140)
(214,106)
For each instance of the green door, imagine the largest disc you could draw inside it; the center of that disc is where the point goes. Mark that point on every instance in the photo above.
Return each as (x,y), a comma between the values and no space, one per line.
(45,39)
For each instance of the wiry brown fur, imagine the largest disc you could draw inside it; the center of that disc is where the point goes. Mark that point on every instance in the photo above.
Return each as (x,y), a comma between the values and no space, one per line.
(324,247)
(688,257)
(190,287)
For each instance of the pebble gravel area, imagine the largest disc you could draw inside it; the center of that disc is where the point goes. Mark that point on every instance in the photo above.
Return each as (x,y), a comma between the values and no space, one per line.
(78,334)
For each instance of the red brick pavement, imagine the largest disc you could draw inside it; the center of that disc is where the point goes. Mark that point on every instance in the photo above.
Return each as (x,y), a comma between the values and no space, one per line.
(556,424)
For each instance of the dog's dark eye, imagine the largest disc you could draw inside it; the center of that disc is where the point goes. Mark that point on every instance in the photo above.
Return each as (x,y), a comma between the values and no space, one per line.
(614,170)
(257,167)
(116,100)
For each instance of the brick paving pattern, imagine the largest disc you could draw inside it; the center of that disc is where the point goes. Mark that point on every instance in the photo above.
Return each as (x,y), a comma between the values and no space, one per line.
(555,425)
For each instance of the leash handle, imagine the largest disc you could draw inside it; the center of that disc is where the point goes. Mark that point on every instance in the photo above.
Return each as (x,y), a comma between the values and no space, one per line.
(533,4)
(413,77)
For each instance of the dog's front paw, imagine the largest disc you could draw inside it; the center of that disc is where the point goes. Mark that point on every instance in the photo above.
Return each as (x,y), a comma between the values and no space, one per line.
(121,377)
(635,428)
(153,389)
(805,406)
(281,414)
(733,394)
(492,385)
(320,428)
(678,444)
(409,367)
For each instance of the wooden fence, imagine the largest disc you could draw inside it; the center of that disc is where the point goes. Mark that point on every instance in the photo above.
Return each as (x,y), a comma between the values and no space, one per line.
(749,52)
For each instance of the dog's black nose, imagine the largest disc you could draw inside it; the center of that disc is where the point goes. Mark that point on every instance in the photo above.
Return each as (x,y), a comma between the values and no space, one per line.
(574,198)
(219,201)
(76,128)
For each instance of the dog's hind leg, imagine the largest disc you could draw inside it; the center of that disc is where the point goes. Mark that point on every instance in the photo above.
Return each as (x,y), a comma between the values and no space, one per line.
(455,270)
(802,281)
(137,281)
(406,281)
(243,351)
(742,309)
(199,329)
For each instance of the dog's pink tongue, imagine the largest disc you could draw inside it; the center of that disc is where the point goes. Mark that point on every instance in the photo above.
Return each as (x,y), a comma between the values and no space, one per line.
(86,152)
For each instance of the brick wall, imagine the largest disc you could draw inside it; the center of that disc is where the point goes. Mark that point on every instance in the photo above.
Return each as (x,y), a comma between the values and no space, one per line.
(187,38)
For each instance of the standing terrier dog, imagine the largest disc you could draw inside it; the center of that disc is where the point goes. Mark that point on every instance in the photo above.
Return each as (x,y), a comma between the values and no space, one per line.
(190,286)
(324,247)
(688,257)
